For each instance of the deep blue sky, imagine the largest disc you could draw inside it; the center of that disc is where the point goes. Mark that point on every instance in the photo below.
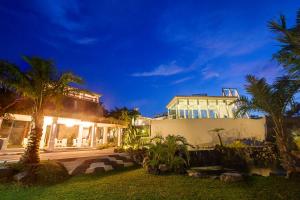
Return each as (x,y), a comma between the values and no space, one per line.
(142,53)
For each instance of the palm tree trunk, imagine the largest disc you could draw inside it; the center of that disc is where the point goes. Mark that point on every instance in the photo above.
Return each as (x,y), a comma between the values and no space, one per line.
(284,150)
(32,154)
(1,120)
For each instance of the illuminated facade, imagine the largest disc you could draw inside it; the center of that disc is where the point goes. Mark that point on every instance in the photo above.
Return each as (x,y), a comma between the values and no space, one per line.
(203,106)
(78,123)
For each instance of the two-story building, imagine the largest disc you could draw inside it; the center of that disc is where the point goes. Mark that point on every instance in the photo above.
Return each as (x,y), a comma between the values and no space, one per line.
(78,122)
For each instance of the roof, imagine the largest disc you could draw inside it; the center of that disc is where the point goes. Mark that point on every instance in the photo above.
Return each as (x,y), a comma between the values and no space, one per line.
(200,97)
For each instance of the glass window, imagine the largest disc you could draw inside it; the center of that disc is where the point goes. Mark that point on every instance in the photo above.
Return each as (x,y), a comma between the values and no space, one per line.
(195,114)
(181,114)
(203,114)
(190,116)
(212,114)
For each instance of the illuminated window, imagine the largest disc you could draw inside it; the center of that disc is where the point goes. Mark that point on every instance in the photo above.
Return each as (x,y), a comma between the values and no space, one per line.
(190,116)
(195,114)
(181,114)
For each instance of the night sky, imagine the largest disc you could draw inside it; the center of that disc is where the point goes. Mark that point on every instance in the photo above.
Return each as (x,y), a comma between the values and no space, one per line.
(142,53)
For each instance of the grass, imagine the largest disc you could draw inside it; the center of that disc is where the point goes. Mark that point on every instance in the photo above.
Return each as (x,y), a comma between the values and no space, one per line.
(136,184)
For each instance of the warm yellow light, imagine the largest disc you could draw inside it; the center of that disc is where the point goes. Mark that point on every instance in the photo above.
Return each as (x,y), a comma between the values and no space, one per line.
(67,122)
(48,120)
(86,124)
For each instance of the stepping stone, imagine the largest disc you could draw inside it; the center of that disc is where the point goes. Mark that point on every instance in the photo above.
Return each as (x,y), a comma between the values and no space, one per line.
(231,177)
(115,160)
(95,167)
(128,164)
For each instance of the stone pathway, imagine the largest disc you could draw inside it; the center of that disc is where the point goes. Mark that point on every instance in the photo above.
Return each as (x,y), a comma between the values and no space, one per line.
(90,165)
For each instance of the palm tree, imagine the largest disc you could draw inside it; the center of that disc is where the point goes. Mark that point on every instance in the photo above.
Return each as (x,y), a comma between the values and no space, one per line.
(274,100)
(40,83)
(131,136)
(289,39)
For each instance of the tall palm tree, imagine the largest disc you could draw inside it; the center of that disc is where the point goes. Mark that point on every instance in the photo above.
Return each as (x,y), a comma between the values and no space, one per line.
(289,39)
(40,83)
(274,100)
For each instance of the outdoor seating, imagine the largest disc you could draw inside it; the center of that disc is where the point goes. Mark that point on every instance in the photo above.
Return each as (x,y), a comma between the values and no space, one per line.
(60,143)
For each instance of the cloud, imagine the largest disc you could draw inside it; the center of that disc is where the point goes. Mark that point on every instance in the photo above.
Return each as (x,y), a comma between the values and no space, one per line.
(86,40)
(182,80)
(61,13)
(66,17)
(208,74)
(163,70)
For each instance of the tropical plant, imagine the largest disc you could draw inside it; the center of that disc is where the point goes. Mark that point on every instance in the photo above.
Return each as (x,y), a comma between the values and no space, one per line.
(218,131)
(40,83)
(274,100)
(289,39)
(132,135)
(171,151)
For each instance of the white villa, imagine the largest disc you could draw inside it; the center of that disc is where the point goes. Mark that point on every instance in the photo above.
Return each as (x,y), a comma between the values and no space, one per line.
(203,106)
(79,124)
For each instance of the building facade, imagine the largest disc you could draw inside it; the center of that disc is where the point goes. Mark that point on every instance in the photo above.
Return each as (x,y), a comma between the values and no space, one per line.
(77,123)
(202,106)
(195,117)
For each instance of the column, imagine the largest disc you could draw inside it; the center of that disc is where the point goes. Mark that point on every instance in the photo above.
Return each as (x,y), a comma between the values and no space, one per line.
(207,113)
(79,136)
(93,141)
(105,129)
(42,143)
(119,136)
(53,134)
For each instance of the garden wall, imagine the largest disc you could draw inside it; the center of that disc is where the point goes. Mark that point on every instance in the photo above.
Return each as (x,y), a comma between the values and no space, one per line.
(197,131)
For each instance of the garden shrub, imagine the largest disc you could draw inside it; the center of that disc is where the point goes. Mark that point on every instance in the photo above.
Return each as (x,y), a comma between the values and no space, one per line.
(167,154)
(242,158)
(50,172)
(106,146)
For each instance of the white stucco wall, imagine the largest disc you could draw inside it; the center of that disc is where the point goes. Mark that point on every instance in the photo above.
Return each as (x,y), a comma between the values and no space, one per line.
(197,131)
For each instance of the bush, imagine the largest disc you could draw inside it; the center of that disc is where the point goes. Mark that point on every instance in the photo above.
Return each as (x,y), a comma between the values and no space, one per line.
(106,146)
(241,158)
(137,155)
(237,144)
(46,172)
(297,141)
(50,172)
(233,158)
(167,154)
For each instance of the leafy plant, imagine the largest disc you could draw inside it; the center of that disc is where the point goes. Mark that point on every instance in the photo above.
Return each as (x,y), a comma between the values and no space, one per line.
(171,151)
(289,39)
(218,131)
(274,100)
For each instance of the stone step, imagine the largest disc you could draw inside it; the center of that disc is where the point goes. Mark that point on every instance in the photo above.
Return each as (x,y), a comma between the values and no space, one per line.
(95,165)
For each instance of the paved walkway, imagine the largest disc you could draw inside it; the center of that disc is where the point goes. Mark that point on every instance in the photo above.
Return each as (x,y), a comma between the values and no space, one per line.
(59,155)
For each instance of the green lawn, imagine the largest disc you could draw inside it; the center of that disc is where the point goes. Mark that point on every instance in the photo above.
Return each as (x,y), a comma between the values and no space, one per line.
(136,184)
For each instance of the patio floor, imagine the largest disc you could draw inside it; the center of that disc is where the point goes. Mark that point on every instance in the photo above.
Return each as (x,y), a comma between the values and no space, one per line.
(14,156)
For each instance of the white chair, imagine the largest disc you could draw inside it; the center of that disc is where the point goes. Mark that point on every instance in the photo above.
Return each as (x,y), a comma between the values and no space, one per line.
(64,142)
(100,141)
(75,142)
(85,143)
(57,143)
